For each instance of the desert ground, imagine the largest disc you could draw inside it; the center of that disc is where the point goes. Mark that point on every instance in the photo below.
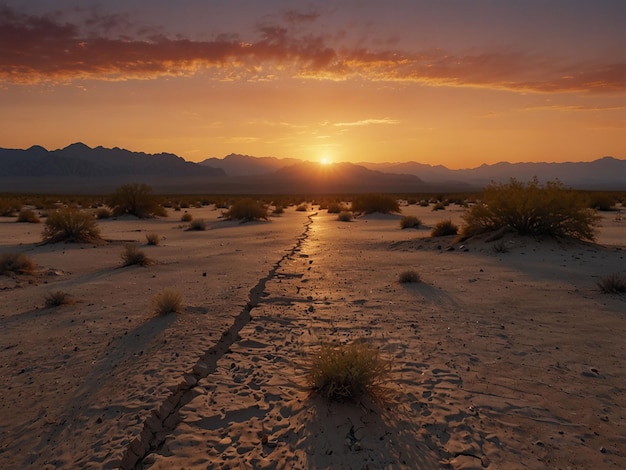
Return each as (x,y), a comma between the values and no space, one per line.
(510,360)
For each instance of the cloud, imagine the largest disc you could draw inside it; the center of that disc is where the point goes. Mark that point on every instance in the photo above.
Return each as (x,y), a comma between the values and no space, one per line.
(366,122)
(36,49)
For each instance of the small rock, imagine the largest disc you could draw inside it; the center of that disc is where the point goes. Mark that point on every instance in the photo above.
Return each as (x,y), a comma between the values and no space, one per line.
(603,450)
(356,446)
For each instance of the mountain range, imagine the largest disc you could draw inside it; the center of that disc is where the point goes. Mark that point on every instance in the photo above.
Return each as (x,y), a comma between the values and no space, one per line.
(79,168)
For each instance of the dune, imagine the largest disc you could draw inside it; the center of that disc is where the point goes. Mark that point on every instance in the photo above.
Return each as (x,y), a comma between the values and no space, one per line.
(499,360)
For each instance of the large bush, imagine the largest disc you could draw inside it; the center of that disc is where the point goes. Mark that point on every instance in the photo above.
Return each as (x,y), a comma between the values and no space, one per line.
(369,203)
(532,209)
(135,199)
(246,210)
(71,225)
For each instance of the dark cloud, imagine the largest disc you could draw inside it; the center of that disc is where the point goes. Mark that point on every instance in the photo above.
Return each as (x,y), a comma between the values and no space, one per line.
(45,48)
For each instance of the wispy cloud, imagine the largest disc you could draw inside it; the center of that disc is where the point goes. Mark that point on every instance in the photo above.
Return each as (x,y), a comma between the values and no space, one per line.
(366,122)
(36,49)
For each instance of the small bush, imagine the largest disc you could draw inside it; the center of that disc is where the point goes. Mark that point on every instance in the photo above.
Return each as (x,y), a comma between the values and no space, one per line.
(167,301)
(613,284)
(444,228)
(8,207)
(133,255)
(409,276)
(153,239)
(28,215)
(344,216)
(278,210)
(57,298)
(104,213)
(302,207)
(187,217)
(370,203)
(246,210)
(16,263)
(197,224)
(335,208)
(136,199)
(410,221)
(439,206)
(347,372)
(71,225)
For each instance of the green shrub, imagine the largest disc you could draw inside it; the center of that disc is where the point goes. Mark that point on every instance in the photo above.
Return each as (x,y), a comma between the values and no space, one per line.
(410,221)
(246,210)
(532,209)
(344,216)
(71,225)
(614,283)
(136,199)
(347,372)
(187,217)
(409,276)
(444,228)
(16,263)
(167,301)
(28,215)
(133,255)
(57,298)
(153,238)
(197,224)
(369,203)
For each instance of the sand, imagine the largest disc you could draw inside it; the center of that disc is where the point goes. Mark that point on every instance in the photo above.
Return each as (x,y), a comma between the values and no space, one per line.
(499,360)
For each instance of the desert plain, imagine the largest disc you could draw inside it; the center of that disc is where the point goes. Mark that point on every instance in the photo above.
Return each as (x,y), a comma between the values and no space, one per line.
(499,360)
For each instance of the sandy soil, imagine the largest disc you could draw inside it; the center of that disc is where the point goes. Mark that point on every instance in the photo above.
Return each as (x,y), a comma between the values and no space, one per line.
(500,360)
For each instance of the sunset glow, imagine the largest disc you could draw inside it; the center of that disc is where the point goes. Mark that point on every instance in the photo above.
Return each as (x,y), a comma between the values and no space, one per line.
(453,82)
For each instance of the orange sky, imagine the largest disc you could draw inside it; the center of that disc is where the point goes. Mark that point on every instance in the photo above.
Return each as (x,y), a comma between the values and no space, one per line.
(450,82)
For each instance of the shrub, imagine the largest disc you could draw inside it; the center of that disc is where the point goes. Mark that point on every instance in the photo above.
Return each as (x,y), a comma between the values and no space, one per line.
(613,284)
(335,208)
(410,221)
(532,209)
(278,210)
(246,210)
(409,276)
(71,225)
(57,298)
(346,372)
(369,203)
(133,255)
(153,238)
(167,301)
(8,207)
(439,206)
(197,224)
(135,199)
(16,263)
(28,215)
(187,217)
(104,213)
(444,228)
(302,207)
(602,201)
(344,216)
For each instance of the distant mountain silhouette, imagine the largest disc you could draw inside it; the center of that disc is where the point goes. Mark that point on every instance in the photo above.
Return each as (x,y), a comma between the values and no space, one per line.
(244,165)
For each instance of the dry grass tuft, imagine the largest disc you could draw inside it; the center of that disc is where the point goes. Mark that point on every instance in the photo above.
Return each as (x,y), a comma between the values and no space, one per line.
(344,216)
(409,276)
(347,372)
(153,238)
(187,217)
(197,224)
(133,255)
(104,213)
(16,263)
(71,225)
(410,221)
(614,283)
(167,301)
(57,298)
(29,216)
(444,228)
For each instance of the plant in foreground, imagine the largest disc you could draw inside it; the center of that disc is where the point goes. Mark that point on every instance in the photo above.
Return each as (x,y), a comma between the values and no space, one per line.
(57,298)
(133,255)
(71,225)
(347,372)
(167,301)
(409,276)
(614,283)
(16,263)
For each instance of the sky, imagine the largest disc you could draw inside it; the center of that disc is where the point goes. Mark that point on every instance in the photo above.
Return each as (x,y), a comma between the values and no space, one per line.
(453,82)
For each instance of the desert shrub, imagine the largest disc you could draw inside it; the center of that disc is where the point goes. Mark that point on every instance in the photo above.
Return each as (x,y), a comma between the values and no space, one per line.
(57,298)
(347,372)
(71,225)
(409,276)
(302,207)
(369,203)
(246,210)
(133,255)
(167,301)
(602,201)
(28,215)
(153,238)
(104,213)
(278,210)
(9,206)
(532,209)
(614,283)
(410,221)
(187,217)
(135,199)
(444,228)
(344,216)
(424,203)
(335,208)
(16,263)
(197,224)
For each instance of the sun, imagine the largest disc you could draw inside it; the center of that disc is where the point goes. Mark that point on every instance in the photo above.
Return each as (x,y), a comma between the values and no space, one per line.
(326,161)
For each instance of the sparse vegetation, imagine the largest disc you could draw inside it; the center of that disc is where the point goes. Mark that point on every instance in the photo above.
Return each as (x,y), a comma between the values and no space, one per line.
(136,199)
(335,208)
(409,276)
(444,228)
(153,238)
(57,298)
(167,301)
(104,213)
(197,224)
(15,263)
(370,203)
(9,206)
(410,221)
(439,206)
(278,210)
(71,225)
(344,216)
(614,283)
(28,215)
(532,209)
(347,372)
(133,255)
(187,217)
(246,210)
(302,207)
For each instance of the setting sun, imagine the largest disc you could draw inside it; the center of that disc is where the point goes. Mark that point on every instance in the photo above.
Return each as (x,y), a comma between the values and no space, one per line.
(326,161)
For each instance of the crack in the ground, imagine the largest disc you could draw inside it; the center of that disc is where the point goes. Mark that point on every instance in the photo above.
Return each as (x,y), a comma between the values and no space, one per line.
(164,419)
